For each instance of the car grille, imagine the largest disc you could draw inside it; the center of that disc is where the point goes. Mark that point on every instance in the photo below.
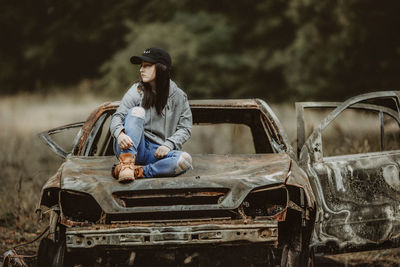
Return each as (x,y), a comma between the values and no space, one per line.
(170,197)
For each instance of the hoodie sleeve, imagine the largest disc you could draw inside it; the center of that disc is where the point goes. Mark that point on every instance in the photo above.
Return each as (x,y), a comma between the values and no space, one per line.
(183,129)
(130,99)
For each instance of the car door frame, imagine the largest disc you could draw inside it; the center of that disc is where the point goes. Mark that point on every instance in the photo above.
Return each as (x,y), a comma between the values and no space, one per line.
(310,154)
(46,137)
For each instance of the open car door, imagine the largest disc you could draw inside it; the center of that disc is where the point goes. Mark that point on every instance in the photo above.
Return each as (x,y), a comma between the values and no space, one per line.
(63,139)
(352,160)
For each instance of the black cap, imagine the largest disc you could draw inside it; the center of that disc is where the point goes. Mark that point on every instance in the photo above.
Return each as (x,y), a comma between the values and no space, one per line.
(153,55)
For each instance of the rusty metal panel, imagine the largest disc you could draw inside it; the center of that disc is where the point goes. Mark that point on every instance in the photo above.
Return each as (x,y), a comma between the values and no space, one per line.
(224,103)
(299,178)
(92,175)
(49,193)
(359,199)
(91,120)
(174,235)
(279,134)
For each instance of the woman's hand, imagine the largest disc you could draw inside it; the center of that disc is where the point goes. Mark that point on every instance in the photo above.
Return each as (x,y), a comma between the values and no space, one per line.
(124,141)
(161,152)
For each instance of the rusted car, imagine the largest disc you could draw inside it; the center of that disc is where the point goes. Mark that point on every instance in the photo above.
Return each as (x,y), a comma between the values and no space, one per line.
(243,203)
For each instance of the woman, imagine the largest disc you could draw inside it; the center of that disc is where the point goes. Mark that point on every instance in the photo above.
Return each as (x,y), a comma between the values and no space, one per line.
(152,122)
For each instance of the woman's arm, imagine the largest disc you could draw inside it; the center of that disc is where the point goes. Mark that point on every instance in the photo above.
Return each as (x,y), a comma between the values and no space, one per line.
(183,129)
(131,99)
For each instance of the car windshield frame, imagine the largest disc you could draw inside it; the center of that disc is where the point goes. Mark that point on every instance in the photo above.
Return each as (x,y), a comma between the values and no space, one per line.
(251,117)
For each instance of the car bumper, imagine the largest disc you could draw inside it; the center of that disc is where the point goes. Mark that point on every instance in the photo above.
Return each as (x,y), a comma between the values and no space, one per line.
(181,235)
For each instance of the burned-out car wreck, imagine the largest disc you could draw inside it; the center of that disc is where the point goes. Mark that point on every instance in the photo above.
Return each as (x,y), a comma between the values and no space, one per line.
(255,202)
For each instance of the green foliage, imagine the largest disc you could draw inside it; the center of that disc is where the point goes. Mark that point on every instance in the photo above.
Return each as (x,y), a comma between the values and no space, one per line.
(277,50)
(342,48)
(196,43)
(60,42)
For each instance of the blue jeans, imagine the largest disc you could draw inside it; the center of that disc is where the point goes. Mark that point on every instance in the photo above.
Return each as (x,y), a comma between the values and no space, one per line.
(174,163)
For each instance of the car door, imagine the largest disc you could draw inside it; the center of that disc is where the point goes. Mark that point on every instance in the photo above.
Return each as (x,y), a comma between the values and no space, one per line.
(352,159)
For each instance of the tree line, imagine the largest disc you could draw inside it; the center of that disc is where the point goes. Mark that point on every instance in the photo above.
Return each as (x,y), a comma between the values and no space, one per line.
(274,49)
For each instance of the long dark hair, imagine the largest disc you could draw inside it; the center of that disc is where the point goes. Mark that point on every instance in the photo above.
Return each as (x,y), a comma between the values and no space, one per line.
(157,99)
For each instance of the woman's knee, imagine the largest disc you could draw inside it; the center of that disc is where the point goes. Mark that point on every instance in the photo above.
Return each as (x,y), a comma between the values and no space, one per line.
(184,162)
(137,112)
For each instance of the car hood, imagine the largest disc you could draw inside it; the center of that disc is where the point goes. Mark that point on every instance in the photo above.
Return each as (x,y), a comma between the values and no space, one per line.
(234,175)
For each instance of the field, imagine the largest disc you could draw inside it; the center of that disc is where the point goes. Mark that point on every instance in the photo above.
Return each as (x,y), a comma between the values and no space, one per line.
(26,163)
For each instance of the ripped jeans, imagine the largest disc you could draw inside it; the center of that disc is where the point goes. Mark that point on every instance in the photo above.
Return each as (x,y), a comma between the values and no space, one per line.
(174,163)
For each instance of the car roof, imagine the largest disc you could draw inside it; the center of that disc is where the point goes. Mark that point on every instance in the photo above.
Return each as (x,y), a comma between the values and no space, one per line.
(224,103)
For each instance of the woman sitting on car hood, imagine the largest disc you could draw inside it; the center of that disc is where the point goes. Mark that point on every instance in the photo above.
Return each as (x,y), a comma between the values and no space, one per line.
(152,122)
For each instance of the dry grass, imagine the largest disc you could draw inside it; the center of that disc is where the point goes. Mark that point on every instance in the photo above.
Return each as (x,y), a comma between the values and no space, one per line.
(382,258)
(25,162)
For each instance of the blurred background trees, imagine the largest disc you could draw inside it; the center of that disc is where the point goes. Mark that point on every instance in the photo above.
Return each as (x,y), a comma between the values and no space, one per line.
(274,49)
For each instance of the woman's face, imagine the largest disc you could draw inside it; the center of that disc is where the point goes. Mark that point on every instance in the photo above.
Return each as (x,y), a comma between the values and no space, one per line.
(148,72)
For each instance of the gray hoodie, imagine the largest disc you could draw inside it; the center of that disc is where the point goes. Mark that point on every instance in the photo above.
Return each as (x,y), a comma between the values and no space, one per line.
(171,128)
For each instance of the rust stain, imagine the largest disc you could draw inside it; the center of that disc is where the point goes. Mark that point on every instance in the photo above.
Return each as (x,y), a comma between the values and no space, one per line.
(70,223)
(281,216)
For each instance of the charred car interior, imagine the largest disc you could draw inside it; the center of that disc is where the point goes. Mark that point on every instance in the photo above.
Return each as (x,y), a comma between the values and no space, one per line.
(249,195)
